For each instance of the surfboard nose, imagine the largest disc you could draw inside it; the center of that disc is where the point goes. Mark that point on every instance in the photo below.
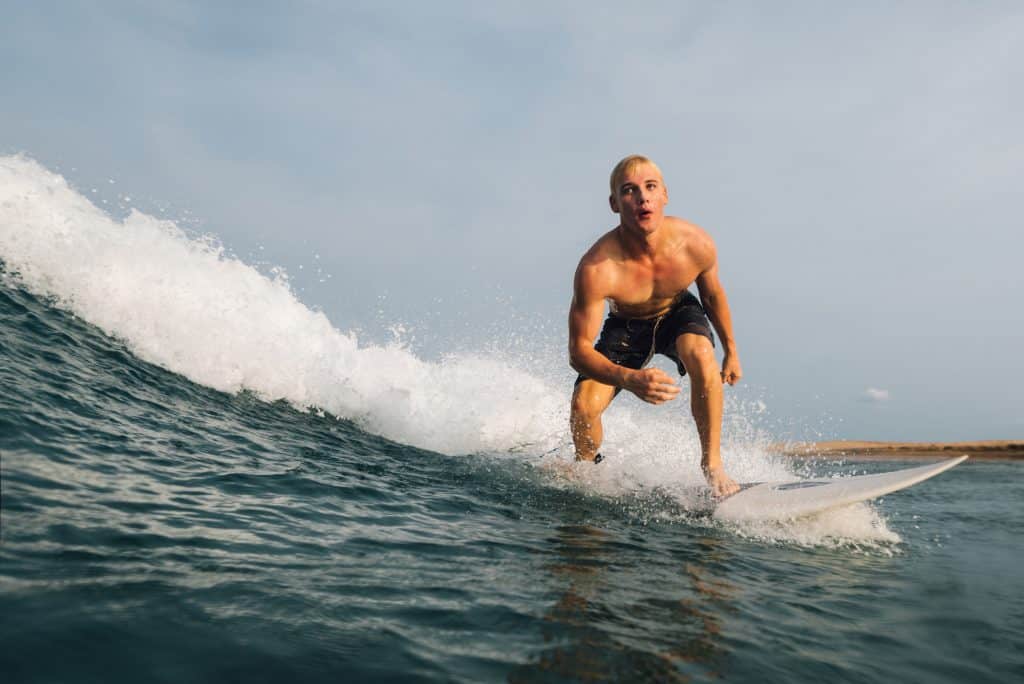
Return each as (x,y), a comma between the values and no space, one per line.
(798,498)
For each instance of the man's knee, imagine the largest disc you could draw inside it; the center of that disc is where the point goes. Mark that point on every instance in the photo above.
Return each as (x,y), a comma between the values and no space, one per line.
(698,357)
(589,402)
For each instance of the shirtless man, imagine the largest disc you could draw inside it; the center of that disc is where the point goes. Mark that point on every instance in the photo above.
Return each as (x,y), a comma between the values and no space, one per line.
(643,268)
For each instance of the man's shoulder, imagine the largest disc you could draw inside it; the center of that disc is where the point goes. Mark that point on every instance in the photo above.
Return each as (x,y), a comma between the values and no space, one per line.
(685,228)
(598,266)
(605,250)
(696,241)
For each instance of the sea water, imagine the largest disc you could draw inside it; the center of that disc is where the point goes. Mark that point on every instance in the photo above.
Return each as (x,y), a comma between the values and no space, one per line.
(201,479)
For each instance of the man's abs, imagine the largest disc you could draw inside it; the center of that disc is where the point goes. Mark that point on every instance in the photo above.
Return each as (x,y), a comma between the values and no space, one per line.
(650,308)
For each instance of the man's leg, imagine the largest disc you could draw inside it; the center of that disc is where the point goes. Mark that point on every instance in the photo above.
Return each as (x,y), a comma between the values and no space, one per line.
(589,400)
(698,357)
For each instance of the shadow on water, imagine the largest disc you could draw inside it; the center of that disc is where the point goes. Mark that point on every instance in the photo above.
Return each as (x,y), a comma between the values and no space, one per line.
(604,626)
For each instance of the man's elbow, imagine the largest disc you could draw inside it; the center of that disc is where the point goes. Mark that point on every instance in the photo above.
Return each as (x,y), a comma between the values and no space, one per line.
(572,363)
(574,358)
(712,295)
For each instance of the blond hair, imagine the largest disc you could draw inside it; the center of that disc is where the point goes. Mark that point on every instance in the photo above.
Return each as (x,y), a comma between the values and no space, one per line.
(628,165)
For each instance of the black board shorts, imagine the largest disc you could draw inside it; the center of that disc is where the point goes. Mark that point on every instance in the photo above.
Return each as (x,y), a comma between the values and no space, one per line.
(631,342)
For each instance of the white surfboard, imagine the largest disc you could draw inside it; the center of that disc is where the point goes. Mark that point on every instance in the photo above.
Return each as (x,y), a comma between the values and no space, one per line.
(797,498)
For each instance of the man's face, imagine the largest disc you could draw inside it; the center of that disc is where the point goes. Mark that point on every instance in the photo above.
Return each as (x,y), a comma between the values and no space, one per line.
(640,198)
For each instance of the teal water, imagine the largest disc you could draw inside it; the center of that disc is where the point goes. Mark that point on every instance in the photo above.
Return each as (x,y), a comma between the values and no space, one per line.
(155,529)
(202,480)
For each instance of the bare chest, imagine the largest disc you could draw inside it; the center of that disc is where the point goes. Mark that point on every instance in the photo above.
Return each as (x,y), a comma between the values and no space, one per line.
(647,289)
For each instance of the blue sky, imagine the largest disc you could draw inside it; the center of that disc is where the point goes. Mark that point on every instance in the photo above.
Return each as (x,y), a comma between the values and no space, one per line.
(446,164)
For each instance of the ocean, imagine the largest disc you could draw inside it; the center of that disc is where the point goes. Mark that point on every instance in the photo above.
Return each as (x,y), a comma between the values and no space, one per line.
(203,479)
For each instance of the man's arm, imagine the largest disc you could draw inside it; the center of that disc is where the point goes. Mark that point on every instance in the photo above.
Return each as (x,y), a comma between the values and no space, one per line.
(585,313)
(712,296)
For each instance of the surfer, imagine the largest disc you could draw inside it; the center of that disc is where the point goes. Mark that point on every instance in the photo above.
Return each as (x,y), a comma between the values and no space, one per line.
(643,268)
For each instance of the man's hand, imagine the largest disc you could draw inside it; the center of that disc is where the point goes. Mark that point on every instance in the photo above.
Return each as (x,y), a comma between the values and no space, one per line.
(731,371)
(721,484)
(653,385)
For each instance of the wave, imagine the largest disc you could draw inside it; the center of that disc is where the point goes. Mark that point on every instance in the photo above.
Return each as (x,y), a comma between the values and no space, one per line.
(181,302)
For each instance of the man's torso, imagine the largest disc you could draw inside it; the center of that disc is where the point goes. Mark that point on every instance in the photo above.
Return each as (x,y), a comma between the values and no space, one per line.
(645,286)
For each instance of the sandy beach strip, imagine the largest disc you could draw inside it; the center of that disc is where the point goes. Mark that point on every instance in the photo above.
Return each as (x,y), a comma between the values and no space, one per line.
(985,450)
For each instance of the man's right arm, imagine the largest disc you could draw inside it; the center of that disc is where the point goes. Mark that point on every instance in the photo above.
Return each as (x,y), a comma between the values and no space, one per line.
(585,313)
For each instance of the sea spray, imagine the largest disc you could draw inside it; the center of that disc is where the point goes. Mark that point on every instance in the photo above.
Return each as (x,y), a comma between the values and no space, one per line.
(182,303)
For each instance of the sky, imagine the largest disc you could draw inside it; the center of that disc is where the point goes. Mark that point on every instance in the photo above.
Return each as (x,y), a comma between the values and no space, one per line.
(444,165)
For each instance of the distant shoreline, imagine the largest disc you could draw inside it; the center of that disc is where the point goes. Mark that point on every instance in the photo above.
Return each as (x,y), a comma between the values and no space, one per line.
(985,450)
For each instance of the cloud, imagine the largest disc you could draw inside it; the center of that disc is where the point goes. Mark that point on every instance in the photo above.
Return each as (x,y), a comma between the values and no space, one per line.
(876,395)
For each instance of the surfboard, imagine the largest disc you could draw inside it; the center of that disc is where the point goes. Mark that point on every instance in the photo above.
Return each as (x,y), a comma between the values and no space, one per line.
(798,498)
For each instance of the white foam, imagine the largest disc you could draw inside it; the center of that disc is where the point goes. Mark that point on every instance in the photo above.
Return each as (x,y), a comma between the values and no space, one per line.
(672,478)
(180,302)
(858,525)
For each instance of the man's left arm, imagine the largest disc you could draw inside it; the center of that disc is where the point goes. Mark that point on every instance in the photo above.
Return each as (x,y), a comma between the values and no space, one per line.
(712,296)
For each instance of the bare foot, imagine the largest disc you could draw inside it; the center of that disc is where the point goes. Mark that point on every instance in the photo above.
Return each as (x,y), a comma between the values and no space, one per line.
(721,484)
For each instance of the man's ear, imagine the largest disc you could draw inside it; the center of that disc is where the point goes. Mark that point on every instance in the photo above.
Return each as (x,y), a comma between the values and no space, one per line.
(613,203)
